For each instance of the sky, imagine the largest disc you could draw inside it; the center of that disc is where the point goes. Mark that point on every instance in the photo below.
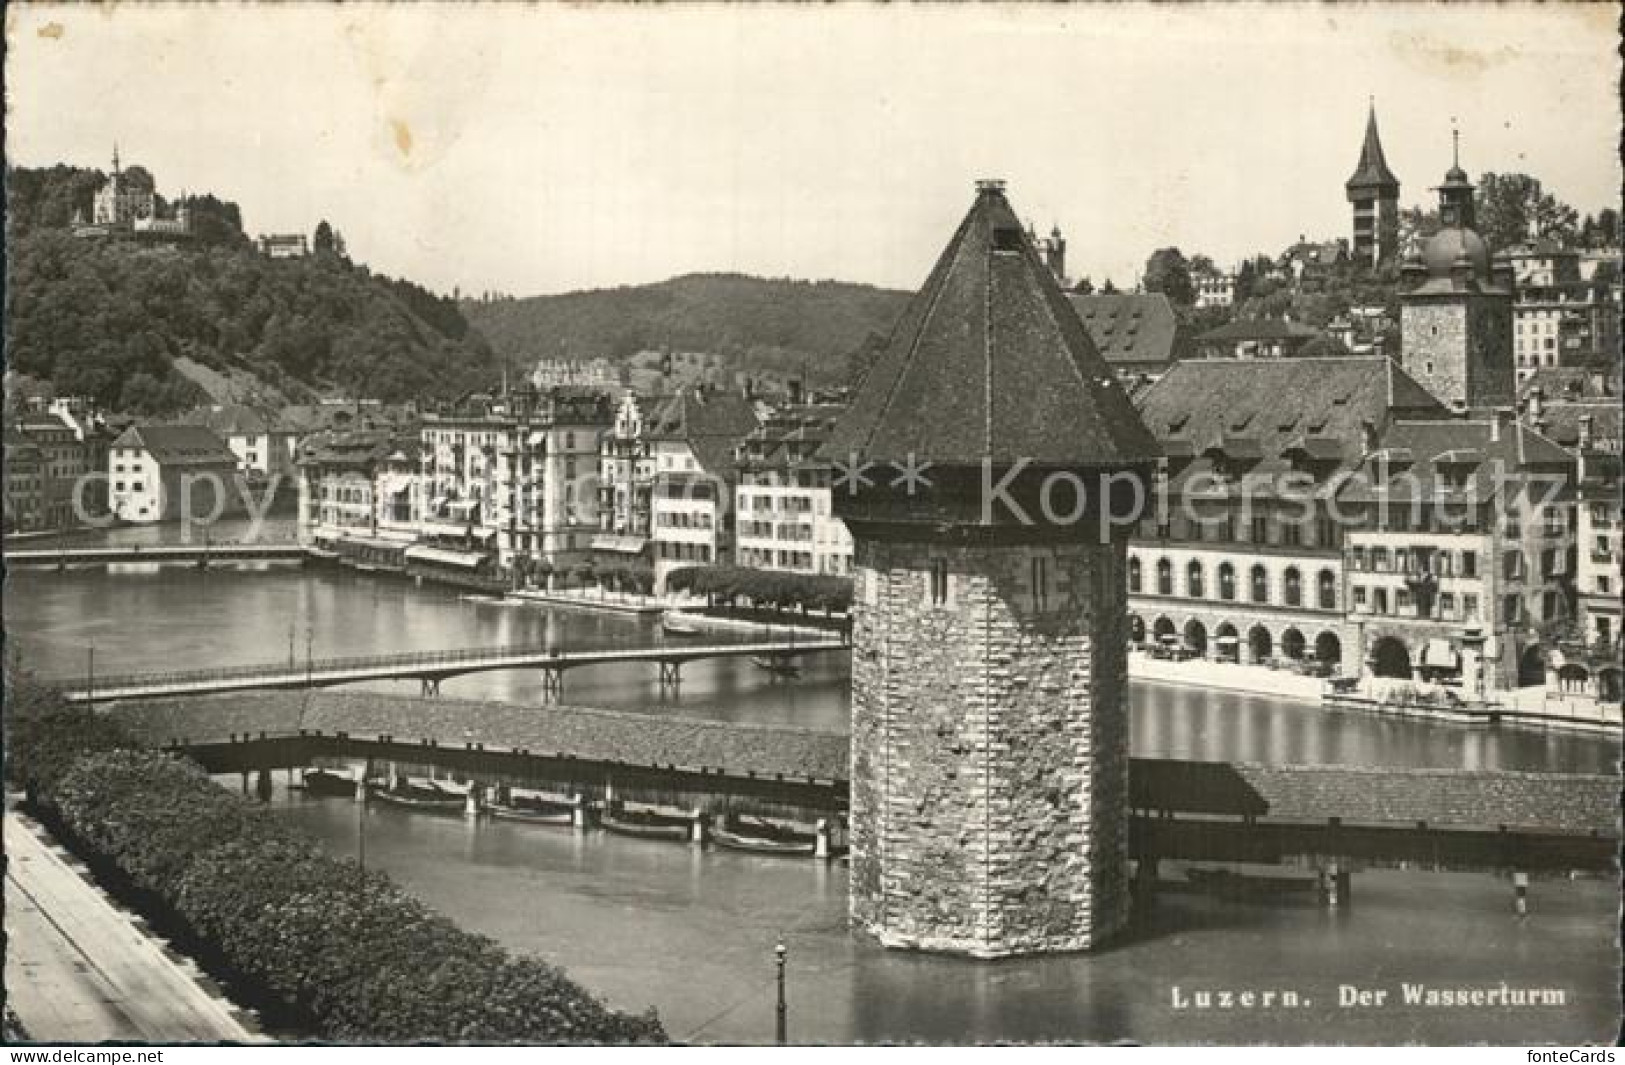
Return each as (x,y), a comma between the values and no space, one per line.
(532,149)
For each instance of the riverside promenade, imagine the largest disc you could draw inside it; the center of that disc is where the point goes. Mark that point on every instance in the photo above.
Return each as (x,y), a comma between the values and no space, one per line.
(79,970)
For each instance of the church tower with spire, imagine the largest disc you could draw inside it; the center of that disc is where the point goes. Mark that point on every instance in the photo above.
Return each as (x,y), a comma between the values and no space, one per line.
(1374,191)
(989,469)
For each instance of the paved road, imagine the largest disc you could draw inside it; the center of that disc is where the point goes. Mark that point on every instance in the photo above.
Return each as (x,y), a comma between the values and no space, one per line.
(78,970)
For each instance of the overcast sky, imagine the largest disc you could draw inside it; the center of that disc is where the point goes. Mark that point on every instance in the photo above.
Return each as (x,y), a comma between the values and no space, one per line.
(543,149)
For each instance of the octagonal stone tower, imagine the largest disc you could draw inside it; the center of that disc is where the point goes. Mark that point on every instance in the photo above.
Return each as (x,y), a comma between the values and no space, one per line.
(1005,469)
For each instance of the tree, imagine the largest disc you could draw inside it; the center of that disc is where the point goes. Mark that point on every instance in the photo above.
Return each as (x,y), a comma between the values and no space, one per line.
(1512,208)
(1167,272)
(1084,287)
(1107,288)
(1322,347)
(322,242)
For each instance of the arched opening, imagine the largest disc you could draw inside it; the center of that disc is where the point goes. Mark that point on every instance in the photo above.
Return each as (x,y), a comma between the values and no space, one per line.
(1136,628)
(1227,581)
(1165,577)
(1609,685)
(1259,643)
(1193,580)
(1573,678)
(1134,576)
(1532,666)
(1292,644)
(1260,585)
(1327,590)
(1390,658)
(1196,636)
(1163,630)
(1292,589)
(1329,649)
(1226,643)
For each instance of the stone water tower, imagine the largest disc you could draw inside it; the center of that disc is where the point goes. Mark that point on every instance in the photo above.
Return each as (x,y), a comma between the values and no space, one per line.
(990,469)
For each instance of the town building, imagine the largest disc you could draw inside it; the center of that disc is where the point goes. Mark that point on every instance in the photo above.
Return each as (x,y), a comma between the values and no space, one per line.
(63,464)
(1308,263)
(358,495)
(1255,338)
(1136,333)
(169,472)
(1373,190)
(517,475)
(1214,288)
(625,482)
(1459,552)
(597,374)
(784,516)
(1242,562)
(990,729)
(24,463)
(693,437)
(264,449)
(1559,318)
(283,245)
(1456,309)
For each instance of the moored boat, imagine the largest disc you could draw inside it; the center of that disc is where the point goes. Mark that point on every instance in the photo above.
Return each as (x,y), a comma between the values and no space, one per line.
(532,807)
(318,781)
(759,835)
(782,667)
(649,822)
(677,624)
(429,797)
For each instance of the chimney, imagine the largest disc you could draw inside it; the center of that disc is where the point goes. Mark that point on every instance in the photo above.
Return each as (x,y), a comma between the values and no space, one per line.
(1537,406)
(1585,432)
(1499,417)
(1368,436)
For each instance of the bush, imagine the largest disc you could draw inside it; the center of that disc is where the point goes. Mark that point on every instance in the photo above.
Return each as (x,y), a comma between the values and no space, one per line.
(771,588)
(348,951)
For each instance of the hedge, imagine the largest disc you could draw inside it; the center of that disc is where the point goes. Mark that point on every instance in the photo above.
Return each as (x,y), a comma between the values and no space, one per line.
(347,951)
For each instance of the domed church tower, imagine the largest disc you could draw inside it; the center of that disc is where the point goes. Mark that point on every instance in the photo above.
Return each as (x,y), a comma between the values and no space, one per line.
(1456,310)
(990,469)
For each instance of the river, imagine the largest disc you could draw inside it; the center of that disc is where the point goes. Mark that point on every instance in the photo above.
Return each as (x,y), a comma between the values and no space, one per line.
(647,923)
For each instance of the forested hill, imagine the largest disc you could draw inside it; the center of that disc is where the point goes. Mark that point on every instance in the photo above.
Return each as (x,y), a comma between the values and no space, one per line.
(113,317)
(756,324)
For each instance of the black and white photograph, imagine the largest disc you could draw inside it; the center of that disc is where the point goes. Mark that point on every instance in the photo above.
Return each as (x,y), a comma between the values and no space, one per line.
(771,524)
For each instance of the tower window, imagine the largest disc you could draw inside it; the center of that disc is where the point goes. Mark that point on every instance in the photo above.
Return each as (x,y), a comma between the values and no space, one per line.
(1428,366)
(939,582)
(1040,575)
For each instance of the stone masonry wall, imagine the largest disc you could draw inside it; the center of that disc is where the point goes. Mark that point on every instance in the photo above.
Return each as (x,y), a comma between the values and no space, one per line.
(990,749)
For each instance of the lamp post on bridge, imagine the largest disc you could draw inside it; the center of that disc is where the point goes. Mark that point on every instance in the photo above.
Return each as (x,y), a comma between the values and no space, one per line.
(780,1027)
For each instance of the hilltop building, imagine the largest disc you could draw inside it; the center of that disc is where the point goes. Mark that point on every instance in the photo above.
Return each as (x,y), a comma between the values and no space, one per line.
(1373,190)
(127,204)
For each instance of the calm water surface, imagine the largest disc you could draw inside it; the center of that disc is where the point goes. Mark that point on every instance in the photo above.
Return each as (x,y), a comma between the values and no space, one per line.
(691,933)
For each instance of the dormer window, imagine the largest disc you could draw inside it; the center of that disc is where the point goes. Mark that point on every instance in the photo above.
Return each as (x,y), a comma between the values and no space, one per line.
(1006,238)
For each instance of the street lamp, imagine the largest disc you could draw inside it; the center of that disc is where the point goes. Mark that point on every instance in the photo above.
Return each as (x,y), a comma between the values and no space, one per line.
(779,953)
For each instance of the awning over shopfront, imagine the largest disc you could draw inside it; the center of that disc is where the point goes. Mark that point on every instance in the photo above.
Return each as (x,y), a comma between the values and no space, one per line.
(442,556)
(619,544)
(1438,654)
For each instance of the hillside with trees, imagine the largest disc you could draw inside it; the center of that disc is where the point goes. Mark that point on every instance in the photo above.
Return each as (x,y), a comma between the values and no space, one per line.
(109,317)
(758,325)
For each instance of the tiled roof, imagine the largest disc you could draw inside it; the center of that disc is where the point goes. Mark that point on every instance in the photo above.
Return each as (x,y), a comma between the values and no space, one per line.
(1573,383)
(231,419)
(1130,328)
(1258,329)
(990,362)
(1453,458)
(711,423)
(791,435)
(1561,421)
(1372,169)
(178,445)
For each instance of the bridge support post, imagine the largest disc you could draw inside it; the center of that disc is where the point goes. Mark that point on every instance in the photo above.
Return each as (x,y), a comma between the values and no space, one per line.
(360,773)
(262,786)
(1520,893)
(696,827)
(431,687)
(1337,886)
(578,812)
(821,838)
(245,782)
(552,685)
(671,678)
(471,804)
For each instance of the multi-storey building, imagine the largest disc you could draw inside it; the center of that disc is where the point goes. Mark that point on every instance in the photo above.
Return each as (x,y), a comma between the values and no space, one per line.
(358,495)
(24,483)
(1559,318)
(64,460)
(1459,552)
(1136,333)
(1373,190)
(170,472)
(1242,560)
(517,474)
(784,518)
(625,480)
(264,449)
(1259,338)
(692,440)
(1214,288)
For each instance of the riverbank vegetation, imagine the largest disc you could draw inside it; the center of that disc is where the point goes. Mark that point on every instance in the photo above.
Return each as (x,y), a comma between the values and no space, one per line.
(777,591)
(313,942)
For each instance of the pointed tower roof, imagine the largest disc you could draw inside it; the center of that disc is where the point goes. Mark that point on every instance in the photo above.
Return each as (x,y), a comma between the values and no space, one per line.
(990,363)
(1372,170)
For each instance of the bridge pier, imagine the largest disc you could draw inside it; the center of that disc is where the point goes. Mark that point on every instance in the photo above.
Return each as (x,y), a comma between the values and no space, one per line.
(1520,893)
(245,782)
(1336,886)
(263,787)
(578,812)
(696,827)
(671,678)
(360,783)
(431,687)
(552,685)
(821,838)
(472,803)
